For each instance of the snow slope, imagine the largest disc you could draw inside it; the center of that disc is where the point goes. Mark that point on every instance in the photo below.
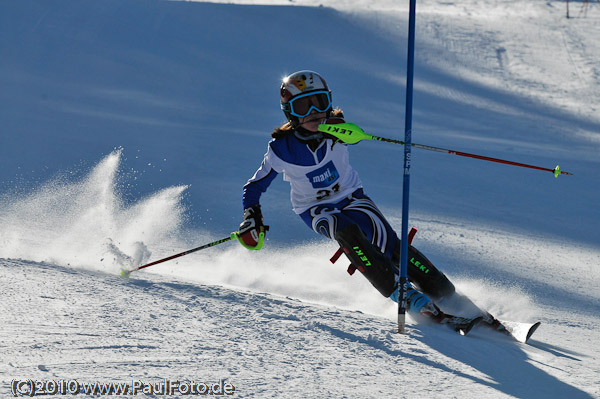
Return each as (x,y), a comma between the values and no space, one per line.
(128,128)
(159,327)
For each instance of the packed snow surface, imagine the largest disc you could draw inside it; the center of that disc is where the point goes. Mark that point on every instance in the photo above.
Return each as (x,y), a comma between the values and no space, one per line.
(129,127)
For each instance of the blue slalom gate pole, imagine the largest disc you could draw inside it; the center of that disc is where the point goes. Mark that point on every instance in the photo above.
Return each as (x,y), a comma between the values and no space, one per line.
(402,277)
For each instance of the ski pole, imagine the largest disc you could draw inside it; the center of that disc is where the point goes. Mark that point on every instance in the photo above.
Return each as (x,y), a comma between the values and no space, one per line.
(350,133)
(233,236)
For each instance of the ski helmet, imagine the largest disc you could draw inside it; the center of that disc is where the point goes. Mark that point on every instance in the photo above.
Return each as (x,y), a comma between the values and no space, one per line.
(301,93)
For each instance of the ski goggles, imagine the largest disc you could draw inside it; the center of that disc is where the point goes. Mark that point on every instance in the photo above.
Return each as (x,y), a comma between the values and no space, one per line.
(303,104)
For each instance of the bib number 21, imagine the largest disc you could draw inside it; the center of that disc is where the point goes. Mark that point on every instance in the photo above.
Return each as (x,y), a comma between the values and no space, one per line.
(322,194)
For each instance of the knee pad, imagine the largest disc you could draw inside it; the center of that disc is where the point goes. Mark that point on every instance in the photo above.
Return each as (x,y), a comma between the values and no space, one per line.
(369,260)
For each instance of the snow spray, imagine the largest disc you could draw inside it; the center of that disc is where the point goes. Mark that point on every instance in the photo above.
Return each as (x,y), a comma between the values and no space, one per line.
(86,223)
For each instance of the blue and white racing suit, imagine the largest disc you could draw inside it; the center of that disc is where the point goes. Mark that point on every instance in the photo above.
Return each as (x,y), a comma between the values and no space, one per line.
(327,194)
(325,190)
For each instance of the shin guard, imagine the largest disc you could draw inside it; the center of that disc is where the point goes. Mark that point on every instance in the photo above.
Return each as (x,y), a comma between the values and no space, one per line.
(424,275)
(371,262)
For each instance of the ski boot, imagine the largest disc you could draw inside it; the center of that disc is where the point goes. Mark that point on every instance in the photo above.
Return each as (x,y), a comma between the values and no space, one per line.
(420,306)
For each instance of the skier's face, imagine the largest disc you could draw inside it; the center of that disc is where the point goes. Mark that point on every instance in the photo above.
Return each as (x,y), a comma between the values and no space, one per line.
(313,120)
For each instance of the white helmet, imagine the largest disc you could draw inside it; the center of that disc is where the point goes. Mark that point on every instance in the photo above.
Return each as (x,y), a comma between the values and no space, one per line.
(301,93)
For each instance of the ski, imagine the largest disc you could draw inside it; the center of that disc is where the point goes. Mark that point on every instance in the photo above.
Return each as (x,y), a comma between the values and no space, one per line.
(461,325)
(518,331)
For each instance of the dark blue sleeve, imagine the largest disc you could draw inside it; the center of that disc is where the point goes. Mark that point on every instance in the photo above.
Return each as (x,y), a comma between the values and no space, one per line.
(257,185)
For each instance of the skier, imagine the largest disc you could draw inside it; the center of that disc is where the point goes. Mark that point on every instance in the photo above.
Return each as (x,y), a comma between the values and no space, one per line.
(327,194)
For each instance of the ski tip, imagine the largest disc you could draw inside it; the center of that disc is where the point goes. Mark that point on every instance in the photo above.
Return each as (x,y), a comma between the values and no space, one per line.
(532,330)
